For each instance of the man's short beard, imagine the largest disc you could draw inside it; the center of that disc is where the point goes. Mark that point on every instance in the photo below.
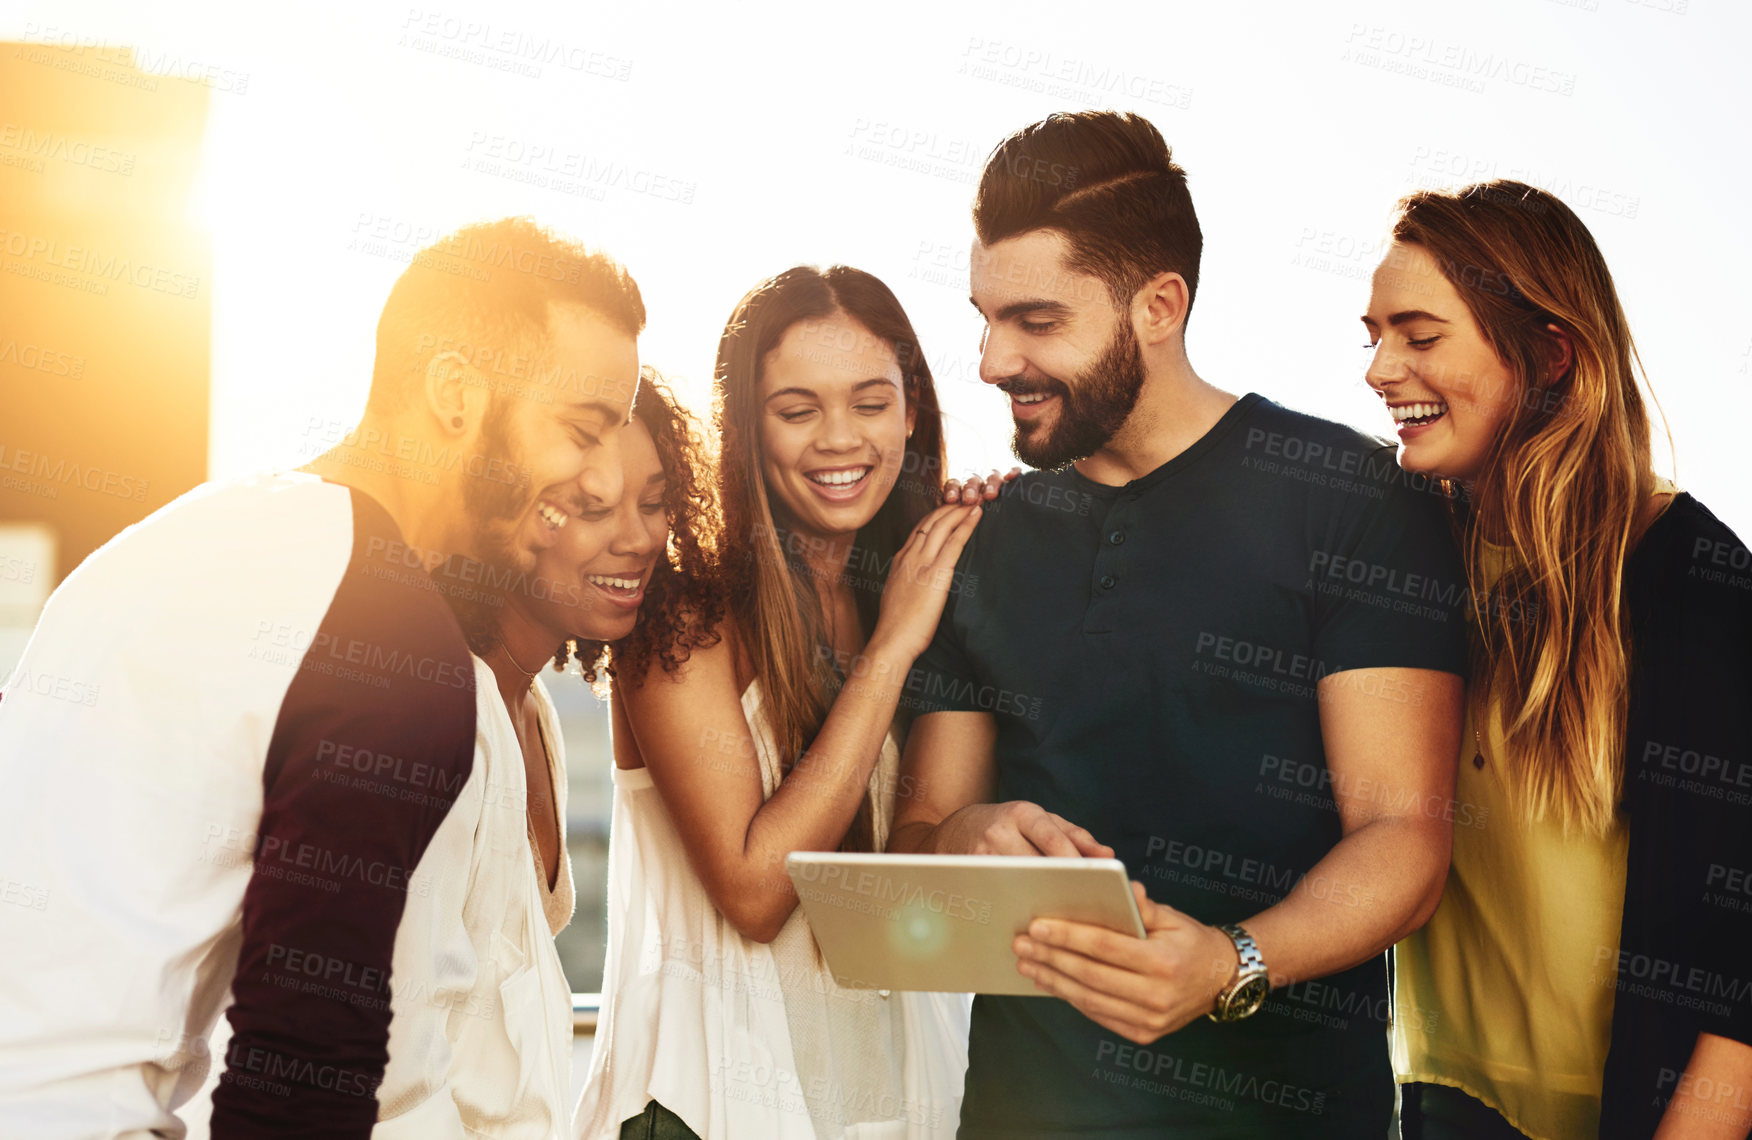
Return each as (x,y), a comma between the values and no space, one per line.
(492,510)
(1091,409)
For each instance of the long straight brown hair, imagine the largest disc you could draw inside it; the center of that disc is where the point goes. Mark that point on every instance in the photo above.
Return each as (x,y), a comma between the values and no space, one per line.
(770,593)
(1559,493)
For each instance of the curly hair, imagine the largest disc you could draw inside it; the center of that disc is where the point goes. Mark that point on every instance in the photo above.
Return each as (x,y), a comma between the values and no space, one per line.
(683,602)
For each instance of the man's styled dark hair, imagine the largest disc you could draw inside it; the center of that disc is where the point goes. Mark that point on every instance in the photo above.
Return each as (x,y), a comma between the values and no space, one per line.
(484,291)
(1108,182)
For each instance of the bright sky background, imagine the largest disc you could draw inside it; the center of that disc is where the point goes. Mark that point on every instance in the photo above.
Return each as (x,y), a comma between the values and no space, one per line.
(344,136)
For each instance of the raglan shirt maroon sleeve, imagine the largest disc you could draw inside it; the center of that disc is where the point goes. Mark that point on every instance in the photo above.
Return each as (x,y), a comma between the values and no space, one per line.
(387,672)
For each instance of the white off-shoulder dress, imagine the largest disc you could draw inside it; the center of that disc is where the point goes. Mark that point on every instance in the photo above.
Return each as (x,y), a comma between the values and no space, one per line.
(744,1039)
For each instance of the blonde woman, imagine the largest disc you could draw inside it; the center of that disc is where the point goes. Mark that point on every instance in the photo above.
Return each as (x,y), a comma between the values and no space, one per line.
(1586,971)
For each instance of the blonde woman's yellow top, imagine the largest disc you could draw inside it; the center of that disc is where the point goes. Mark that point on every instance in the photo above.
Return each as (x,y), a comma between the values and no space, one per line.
(1507,992)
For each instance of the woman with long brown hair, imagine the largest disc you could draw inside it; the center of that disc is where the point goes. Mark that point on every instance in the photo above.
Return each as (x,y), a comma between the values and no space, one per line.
(1584,974)
(721,1019)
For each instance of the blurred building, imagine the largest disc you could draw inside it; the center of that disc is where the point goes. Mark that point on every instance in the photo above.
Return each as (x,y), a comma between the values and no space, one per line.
(105,288)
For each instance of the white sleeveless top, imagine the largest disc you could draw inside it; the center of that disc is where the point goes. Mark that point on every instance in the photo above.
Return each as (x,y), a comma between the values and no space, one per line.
(742,1039)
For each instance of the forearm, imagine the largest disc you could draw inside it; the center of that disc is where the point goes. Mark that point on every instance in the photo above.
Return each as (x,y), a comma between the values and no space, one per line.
(1712,1099)
(819,798)
(1377,885)
(815,803)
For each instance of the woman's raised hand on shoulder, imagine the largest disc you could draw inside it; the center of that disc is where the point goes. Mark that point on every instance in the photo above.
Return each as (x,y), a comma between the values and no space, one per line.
(973,489)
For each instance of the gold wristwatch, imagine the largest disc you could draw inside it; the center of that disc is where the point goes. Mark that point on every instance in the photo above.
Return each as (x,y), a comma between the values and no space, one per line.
(1243,996)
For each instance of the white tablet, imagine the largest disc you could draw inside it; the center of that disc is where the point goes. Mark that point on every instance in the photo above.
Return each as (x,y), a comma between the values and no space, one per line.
(945,922)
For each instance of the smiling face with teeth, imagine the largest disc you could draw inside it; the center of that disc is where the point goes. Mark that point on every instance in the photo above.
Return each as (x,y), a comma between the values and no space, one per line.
(1065,354)
(592,580)
(834,423)
(1448,391)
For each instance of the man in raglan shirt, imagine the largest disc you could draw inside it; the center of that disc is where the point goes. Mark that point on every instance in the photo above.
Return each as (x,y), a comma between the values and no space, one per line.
(1214,638)
(270,788)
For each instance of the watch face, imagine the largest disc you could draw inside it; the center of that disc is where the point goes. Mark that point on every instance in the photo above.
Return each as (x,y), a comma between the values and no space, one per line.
(1243,1000)
(1248,997)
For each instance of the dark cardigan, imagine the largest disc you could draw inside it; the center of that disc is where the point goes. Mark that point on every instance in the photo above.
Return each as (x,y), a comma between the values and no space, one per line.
(1684,961)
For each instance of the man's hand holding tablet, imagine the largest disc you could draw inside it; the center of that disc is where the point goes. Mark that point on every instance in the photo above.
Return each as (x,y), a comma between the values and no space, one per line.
(1142,989)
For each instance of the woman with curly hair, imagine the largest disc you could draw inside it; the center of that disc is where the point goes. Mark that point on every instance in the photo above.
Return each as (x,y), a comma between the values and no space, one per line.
(680,604)
(635,573)
(1585,973)
(721,1019)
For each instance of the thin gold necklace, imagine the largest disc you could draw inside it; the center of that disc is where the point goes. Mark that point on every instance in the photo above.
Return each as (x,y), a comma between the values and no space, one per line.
(506,650)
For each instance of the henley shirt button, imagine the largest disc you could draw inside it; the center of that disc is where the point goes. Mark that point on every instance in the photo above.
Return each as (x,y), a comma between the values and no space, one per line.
(1107,581)
(1116,537)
